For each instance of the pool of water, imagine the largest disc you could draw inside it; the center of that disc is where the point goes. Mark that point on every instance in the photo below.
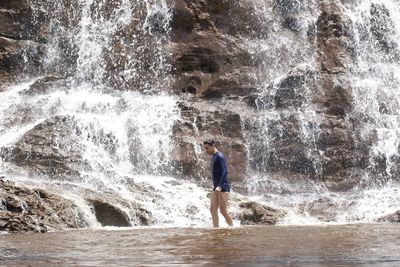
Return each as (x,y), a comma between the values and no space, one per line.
(338,245)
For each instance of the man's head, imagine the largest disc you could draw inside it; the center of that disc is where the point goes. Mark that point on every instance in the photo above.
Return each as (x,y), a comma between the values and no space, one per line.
(209,146)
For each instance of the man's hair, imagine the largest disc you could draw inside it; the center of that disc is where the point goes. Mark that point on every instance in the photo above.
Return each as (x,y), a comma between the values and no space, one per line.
(209,142)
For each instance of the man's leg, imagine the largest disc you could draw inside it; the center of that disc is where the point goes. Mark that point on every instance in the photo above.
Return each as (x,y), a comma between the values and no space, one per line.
(223,206)
(214,208)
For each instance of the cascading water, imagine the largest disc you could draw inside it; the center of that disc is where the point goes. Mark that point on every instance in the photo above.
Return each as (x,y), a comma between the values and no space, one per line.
(97,124)
(113,144)
(376,78)
(285,108)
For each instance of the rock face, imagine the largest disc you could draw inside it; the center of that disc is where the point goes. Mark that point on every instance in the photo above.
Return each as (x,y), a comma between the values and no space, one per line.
(392,218)
(51,147)
(35,210)
(270,110)
(108,215)
(324,209)
(255,213)
(300,123)
(205,62)
(17,36)
(208,66)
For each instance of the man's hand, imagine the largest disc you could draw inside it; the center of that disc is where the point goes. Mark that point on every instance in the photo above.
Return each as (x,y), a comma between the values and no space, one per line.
(218,189)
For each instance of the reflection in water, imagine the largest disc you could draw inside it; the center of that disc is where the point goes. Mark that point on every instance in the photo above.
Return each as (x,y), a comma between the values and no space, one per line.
(346,245)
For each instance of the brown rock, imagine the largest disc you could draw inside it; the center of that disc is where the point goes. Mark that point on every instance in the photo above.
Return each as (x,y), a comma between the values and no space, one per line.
(205,62)
(334,39)
(256,213)
(9,26)
(392,218)
(109,215)
(17,30)
(9,58)
(197,58)
(51,147)
(323,209)
(35,210)
(14,4)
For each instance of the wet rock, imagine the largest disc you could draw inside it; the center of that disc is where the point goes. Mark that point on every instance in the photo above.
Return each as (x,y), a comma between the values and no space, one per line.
(287,7)
(334,39)
(8,56)
(290,92)
(46,85)
(183,19)
(109,215)
(9,26)
(197,58)
(392,218)
(282,149)
(232,19)
(51,147)
(323,209)
(255,213)
(211,67)
(322,147)
(14,4)
(382,28)
(110,208)
(35,210)
(17,32)
(291,23)
(185,157)
(15,20)
(205,62)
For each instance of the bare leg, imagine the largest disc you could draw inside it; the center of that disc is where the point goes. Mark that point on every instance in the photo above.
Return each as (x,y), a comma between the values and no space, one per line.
(223,206)
(214,208)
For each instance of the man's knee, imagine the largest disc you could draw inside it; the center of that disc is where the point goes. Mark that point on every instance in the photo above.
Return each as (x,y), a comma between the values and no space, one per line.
(224,212)
(213,210)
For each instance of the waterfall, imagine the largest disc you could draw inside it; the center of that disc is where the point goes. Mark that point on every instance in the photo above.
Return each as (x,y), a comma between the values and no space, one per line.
(107,142)
(98,121)
(376,79)
(288,116)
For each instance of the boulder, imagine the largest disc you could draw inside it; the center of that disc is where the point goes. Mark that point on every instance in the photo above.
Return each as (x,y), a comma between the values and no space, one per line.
(392,218)
(51,147)
(109,215)
(323,209)
(35,210)
(251,213)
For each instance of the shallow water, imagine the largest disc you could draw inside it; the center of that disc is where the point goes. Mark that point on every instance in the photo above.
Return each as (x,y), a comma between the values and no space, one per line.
(344,245)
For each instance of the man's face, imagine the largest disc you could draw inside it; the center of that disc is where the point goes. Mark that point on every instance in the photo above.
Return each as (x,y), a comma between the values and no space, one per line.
(209,149)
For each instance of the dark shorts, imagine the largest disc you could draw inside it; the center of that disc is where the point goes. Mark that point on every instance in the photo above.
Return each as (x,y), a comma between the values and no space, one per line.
(224,189)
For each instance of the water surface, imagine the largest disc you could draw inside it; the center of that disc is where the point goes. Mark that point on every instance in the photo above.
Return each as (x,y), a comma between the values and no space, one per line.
(343,245)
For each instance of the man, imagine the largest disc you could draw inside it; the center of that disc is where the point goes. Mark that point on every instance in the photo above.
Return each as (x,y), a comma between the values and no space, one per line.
(220,193)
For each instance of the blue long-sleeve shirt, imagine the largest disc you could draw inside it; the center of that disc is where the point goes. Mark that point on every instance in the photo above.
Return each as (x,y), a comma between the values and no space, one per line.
(219,172)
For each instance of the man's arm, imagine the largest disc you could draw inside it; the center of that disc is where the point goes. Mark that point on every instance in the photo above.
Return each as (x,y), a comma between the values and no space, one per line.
(224,172)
